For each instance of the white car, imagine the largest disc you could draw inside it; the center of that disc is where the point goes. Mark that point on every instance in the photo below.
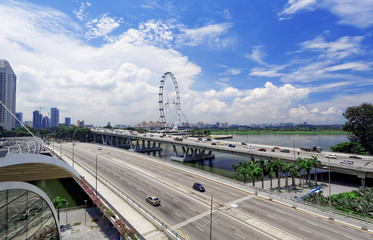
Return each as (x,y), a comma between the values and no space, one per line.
(331,156)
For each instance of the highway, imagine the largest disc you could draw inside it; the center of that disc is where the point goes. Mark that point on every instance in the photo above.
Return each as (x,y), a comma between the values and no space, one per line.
(189,211)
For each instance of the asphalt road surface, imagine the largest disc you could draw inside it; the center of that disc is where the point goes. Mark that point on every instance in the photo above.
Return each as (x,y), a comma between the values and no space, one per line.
(236,214)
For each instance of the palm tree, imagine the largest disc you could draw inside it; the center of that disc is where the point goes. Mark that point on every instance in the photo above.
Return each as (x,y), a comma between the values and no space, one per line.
(278,164)
(301,163)
(293,170)
(308,168)
(254,170)
(261,161)
(286,169)
(270,170)
(315,163)
(235,167)
(244,169)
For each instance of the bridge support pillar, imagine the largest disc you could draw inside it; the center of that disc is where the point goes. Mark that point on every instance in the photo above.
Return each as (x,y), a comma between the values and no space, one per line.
(190,154)
(362,176)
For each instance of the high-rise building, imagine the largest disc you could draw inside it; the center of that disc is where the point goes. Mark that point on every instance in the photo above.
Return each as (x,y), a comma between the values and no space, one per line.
(19,115)
(55,117)
(80,123)
(8,82)
(67,121)
(37,118)
(45,122)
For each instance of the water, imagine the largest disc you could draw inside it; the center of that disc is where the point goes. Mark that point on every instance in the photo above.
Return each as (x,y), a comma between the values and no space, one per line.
(222,164)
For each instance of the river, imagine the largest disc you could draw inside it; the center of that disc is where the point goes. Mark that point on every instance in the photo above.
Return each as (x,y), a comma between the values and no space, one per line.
(222,164)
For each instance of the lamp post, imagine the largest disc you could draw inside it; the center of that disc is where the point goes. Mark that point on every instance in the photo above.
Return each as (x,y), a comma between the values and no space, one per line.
(96,174)
(67,204)
(212,194)
(61,149)
(85,213)
(330,189)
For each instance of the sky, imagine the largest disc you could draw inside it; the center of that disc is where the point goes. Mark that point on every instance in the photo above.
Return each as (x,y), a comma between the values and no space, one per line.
(236,61)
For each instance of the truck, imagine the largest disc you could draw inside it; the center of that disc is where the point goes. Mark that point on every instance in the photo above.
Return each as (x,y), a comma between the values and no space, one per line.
(314,149)
(178,139)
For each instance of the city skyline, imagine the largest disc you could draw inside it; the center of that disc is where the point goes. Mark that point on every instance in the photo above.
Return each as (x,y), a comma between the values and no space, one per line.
(242,62)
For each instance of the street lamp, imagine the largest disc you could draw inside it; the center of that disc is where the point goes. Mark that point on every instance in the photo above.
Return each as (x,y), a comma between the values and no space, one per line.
(61,149)
(330,189)
(96,171)
(67,205)
(85,213)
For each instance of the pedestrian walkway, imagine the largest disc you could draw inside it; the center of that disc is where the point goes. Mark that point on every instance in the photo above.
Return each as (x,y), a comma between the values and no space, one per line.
(77,224)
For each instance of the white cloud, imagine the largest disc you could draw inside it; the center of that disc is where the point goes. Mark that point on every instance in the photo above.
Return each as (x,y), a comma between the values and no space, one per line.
(81,13)
(294,6)
(211,33)
(270,71)
(257,55)
(102,26)
(351,12)
(356,66)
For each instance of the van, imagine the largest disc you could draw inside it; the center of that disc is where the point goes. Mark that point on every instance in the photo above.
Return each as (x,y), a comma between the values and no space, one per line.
(198,187)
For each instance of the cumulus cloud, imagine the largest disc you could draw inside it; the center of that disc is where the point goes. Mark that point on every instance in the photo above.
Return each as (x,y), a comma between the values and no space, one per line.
(101,26)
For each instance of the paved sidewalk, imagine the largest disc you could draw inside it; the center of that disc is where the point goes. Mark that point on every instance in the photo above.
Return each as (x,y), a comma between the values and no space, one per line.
(88,224)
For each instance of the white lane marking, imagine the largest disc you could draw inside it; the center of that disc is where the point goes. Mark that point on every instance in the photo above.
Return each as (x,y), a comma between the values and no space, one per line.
(177,214)
(281,212)
(304,230)
(216,188)
(175,200)
(240,236)
(268,215)
(138,189)
(224,197)
(234,194)
(312,223)
(192,209)
(199,228)
(161,192)
(248,206)
(350,237)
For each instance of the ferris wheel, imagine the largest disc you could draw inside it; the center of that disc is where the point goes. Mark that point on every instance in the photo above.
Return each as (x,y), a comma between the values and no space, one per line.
(164,102)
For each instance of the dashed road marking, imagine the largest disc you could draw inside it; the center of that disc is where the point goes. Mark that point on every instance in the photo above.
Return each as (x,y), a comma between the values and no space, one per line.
(304,230)
(199,228)
(240,236)
(177,214)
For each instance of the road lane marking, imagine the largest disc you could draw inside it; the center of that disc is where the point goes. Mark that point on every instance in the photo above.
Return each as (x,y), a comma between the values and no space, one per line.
(234,195)
(175,200)
(304,230)
(199,228)
(268,215)
(281,212)
(350,238)
(192,209)
(177,214)
(312,223)
(138,189)
(240,236)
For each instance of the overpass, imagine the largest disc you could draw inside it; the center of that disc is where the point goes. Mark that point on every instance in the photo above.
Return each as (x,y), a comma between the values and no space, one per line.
(196,149)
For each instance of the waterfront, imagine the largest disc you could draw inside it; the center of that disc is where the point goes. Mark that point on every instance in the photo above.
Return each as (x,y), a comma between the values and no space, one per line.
(222,164)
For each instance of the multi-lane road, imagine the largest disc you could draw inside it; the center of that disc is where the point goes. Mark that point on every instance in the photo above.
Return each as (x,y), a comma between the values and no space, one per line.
(236,214)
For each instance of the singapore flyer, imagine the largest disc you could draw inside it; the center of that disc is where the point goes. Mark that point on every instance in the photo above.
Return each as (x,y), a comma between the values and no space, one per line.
(169,102)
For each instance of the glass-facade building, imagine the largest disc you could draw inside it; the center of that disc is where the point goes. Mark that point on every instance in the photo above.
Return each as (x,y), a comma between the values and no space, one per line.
(26,213)
(7,95)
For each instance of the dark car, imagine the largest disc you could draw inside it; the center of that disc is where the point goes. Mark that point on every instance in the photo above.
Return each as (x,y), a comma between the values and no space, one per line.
(198,187)
(231,145)
(356,157)
(153,200)
(213,143)
(285,150)
(243,143)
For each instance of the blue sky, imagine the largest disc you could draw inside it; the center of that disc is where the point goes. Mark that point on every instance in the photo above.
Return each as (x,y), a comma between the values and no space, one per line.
(237,61)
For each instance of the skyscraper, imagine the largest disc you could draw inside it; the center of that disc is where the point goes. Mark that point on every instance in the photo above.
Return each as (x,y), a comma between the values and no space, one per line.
(67,121)
(8,82)
(19,115)
(55,117)
(37,119)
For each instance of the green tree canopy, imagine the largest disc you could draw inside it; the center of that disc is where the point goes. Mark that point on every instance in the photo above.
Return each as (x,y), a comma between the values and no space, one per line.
(360,125)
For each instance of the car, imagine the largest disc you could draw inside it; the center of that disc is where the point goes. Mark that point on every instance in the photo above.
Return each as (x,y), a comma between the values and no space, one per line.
(243,143)
(285,150)
(208,139)
(221,144)
(231,145)
(161,136)
(347,162)
(331,156)
(262,149)
(199,139)
(276,148)
(198,187)
(213,143)
(356,157)
(99,148)
(153,200)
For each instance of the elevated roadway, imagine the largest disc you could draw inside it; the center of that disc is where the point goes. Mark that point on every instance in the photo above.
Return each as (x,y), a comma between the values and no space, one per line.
(360,166)
(236,214)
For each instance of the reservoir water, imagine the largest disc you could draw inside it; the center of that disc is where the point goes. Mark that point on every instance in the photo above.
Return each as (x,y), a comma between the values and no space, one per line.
(222,164)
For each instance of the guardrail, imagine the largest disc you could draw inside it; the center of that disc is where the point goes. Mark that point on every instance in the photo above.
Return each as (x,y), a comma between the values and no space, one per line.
(336,215)
(167,229)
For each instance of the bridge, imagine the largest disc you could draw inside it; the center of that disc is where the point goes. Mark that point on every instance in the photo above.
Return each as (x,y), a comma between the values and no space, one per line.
(196,149)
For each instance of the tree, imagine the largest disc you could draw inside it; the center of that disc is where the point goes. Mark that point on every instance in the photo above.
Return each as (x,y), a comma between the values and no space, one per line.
(314,162)
(308,167)
(244,169)
(360,124)
(349,147)
(301,167)
(254,170)
(293,170)
(286,169)
(278,165)
(235,166)
(82,134)
(59,203)
(270,170)
(261,161)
